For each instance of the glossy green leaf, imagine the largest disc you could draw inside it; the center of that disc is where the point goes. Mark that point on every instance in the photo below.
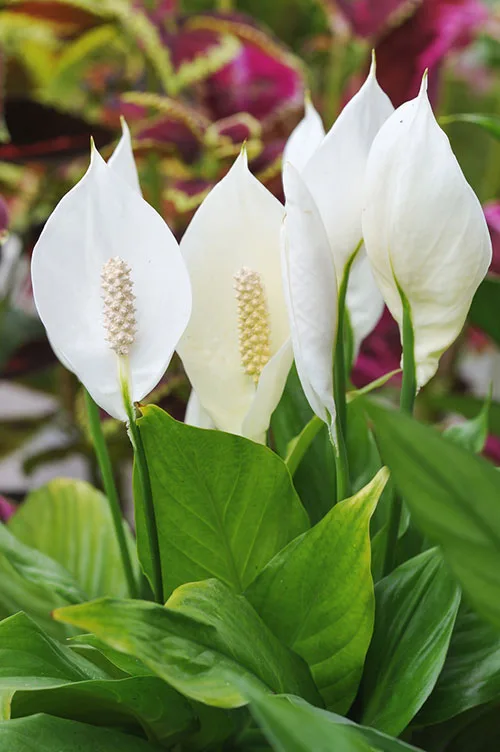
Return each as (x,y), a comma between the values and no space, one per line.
(293,725)
(137,704)
(317,595)
(471,434)
(416,607)
(453,497)
(485,308)
(30,658)
(70,521)
(471,673)
(125,663)
(224,505)
(295,728)
(33,582)
(376,739)
(201,642)
(44,733)
(314,478)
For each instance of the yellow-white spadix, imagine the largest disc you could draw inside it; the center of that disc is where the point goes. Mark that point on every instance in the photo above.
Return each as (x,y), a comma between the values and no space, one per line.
(424,229)
(110,284)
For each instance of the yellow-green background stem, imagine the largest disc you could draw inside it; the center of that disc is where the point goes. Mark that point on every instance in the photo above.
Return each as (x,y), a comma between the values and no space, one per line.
(407,401)
(141,467)
(340,386)
(108,482)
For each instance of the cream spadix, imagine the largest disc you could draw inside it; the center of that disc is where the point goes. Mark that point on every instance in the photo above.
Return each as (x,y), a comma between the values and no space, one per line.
(424,229)
(110,284)
(236,349)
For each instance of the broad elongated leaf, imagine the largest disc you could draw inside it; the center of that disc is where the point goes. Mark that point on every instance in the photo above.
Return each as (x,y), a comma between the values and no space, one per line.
(30,658)
(292,725)
(71,521)
(125,663)
(139,703)
(33,582)
(317,595)
(314,478)
(39,675)
(293,728)
(202,642)
(224,505)
(375,738)
(44,733)
(471,673)
(416,609)
(453,496)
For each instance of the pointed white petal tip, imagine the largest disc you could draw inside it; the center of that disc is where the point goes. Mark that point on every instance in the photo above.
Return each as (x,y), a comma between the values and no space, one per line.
(373,66)
(424,84)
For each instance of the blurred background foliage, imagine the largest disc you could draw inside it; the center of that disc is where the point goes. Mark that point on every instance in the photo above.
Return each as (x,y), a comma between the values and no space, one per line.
(195,79)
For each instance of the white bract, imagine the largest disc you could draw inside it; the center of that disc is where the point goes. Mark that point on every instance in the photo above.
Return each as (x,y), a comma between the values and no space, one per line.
(110,284)
(324,188)
(236,349)
(310,285)
(424,229)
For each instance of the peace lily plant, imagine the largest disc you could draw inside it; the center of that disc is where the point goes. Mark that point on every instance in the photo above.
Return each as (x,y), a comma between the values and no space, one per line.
(257,607)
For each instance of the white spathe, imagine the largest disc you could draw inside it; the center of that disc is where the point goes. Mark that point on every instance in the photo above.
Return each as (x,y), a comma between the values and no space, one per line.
(195,414)
(334,174)
(323,181)
(305,138)
(310,285)
(100,218)
(424,229)
(236,227)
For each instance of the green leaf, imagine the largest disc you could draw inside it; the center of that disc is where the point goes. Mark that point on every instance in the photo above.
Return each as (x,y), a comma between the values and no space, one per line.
(122,661)
(488,123)
(39,675)
(465,405)
(485,308)
(471,673)
(135,704)
(224,505)
(71,521)
(471,434)
(317,595)
(314,478)
(375,738)
(453,497)
(416,607)
(293,725)
(44,733)
(30,658)
(295,728)
(31,581)
(201,642)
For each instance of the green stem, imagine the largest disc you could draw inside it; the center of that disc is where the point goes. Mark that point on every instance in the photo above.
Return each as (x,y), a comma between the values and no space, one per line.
(108,481)
(224,5)
(407,401)
(339,385)
(141,464)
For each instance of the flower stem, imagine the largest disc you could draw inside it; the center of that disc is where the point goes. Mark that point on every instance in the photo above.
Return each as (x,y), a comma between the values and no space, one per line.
(339,386)
(407,401)
(108,481)
(141,465)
